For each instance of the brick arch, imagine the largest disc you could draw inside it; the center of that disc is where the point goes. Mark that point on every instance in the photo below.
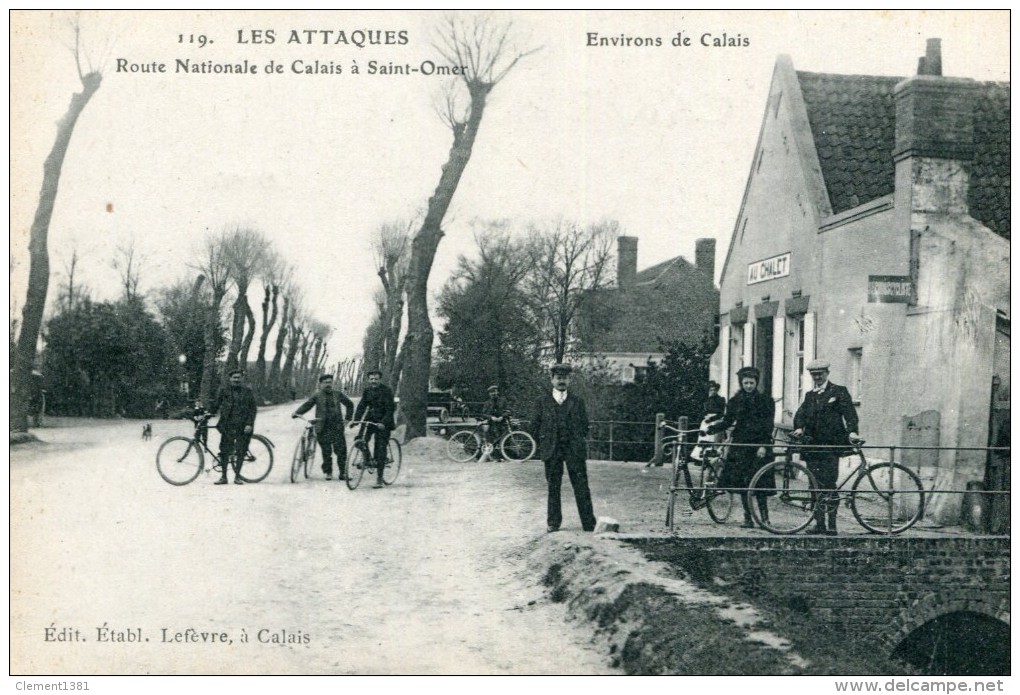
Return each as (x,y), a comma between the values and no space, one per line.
(936,605)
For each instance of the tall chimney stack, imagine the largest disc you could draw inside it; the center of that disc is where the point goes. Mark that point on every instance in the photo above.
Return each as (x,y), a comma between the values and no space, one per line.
(933,57)
(626,260)
(704,257)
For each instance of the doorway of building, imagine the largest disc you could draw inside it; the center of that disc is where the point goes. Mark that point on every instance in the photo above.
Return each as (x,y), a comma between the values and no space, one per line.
(763,353)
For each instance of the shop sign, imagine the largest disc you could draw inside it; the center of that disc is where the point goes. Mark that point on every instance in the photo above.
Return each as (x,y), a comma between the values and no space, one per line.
(768,269)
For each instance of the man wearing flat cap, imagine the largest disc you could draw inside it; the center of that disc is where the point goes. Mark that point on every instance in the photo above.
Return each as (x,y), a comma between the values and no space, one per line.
(377,405)
(561,428)
(826,417)
(236,406)
(494,411)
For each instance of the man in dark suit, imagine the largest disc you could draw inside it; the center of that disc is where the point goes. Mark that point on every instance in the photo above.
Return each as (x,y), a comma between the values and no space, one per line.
(827,417)
(236,406)
(377,405)
(329,424)
(561,427)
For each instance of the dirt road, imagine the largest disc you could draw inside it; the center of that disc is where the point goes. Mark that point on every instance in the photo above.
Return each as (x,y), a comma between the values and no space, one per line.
(115,571)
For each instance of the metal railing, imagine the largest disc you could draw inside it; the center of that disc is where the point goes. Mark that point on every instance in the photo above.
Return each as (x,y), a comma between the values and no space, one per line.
(982,510)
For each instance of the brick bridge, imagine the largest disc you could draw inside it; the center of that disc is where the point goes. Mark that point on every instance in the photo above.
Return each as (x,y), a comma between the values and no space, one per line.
(940,604)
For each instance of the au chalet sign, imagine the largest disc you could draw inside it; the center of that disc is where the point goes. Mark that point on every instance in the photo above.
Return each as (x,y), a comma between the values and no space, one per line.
(768,269)
(891,289)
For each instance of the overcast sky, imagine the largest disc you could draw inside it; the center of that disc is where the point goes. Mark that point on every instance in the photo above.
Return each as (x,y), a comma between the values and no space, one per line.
(659,138)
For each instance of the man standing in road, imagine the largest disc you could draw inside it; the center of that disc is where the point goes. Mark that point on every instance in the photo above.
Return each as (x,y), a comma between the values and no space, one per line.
(827,417)
(236,406)
(329,424)
(494,413)
(561,427)
(377,405)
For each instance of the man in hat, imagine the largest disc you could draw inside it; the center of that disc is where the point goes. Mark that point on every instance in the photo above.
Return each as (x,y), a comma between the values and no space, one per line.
(236,406)
(494,411)
(826,417)
(377,405)
(751,414)
(329,424)
(561,427)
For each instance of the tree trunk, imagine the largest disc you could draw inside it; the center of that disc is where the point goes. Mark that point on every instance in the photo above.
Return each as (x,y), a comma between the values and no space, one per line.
(249,336)
(281,340)
(212,324)
(395,307)
(417,348)
(39,257)
(237,326)
(286,381)
(268,321)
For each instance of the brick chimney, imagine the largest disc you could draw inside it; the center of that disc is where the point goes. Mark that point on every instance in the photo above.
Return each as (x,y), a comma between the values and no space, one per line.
(935,114)
(704,257)
(626,260)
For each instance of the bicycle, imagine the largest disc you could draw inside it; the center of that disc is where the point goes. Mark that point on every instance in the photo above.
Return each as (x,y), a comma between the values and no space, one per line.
(515,445)
(361,459)
(304,452)
(702,485)
(885,497)
(180,459)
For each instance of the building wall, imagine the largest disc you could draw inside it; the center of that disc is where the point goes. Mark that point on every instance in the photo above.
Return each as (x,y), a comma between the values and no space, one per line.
(936,355)
(778,216)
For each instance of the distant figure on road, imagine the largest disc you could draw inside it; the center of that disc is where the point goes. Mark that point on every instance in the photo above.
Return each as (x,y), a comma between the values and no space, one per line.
(561,428)
(494,411)
(329,425)
(751,414)
(377,405)
(827,417)
(236,406)
(714,405)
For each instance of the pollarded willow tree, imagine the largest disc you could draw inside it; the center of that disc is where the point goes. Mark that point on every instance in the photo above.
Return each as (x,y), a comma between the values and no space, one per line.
(488,53)
(39,256)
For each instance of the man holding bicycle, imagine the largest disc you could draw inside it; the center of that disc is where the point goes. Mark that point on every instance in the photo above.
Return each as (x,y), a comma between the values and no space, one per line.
(329,424)
(495,414)
(827,417)
(236,406)
(377,405)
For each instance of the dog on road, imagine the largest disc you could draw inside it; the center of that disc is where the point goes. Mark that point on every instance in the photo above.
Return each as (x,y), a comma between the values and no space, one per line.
(146,432)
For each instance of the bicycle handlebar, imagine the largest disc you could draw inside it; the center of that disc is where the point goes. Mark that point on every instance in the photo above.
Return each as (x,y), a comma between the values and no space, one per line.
(664,425)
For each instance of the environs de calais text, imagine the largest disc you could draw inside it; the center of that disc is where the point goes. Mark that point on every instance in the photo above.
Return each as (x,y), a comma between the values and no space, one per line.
(681,39)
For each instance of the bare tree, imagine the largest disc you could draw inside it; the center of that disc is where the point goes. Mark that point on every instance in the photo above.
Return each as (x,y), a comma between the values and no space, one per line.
(392,250)
(128,264)
(39,258)
(487,52)
(246,251)
(216,271)
(276,274)
(295,336)
(274,381)
(72,291)
(568,263)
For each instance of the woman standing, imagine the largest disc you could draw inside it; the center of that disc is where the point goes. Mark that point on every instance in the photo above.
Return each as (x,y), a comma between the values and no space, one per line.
(751,414)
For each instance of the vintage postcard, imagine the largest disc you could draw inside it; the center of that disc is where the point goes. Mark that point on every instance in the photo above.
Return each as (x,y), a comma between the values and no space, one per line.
(214,190)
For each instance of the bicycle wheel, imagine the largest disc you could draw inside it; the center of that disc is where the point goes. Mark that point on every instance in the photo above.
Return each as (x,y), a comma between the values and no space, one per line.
(355,467)
(517,446)
(311,449)
(463,446)
(887,498)
(179,460)
(788,488)
(393,458)
(258,460)
(718,502)
(298,460)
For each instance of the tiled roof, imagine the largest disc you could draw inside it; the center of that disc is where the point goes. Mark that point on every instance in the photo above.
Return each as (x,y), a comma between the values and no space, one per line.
(672,300)
(989,176)
(853,123)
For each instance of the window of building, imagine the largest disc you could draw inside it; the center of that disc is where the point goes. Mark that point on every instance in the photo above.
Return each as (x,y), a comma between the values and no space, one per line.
(627,374)
(855,374)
